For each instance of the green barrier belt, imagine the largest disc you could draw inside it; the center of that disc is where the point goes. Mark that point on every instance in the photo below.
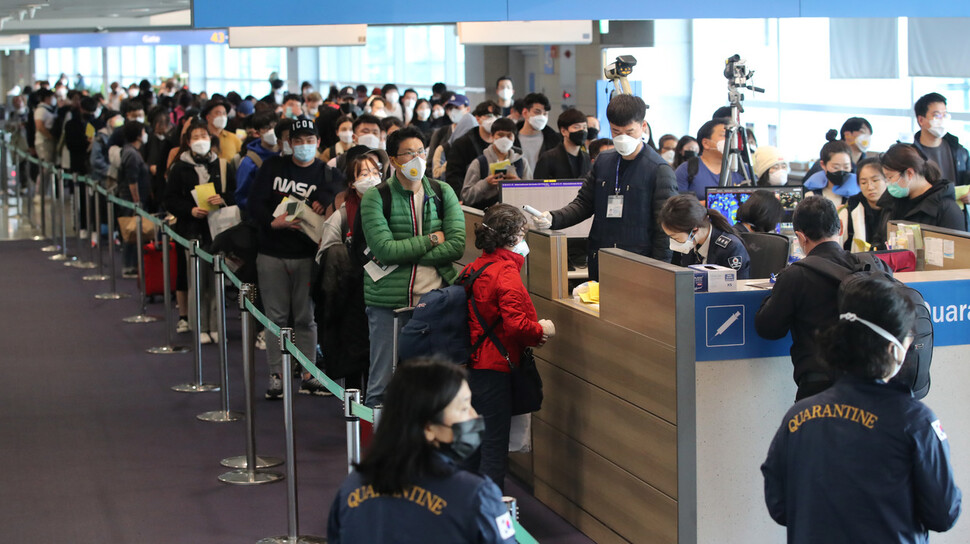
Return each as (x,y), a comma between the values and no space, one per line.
(331,385)
(178,239)
(151,218)
(270,326)
(232,277)
(521,535)
(121,202)
(361,411)
(205,256)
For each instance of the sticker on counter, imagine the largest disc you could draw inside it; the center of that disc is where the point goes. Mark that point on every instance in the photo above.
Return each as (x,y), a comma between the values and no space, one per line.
(725,325)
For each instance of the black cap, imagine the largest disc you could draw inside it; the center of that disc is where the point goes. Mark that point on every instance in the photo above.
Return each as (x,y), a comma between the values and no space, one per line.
(211,105)
(302,127)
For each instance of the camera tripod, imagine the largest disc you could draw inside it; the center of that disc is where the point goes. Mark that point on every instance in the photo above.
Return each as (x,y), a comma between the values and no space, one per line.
(735,135)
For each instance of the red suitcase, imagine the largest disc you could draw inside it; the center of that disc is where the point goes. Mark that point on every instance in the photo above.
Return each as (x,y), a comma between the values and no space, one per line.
(152,255)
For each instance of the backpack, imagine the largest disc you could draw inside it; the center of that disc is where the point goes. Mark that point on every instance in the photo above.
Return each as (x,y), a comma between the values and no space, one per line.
(357,242)
(915,372)
(439,324)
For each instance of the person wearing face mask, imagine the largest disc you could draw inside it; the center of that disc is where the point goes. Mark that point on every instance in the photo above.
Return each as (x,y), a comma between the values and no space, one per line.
(257,152)
(499,296)
(835,181)
(367,137)
(465,147)
(421,119)
(699,173)
(687,148)
(668,146)
(285,260)
(160,143)
(770,167)
(455,107)
(345,139)
(856,132)
(216,115)
(916,191)
(45,114)
(568,160)
(413,249)
(592,129)
(623,192)
(803,300)
(376,106)
(863,461)
(702,236)
(311,106)
(535,136)
(408,102)
(504,91)
(134,184)
(410,486)
(392,105)
(482,184)
(293,107)
(198,164)
(867,219)
(937,144)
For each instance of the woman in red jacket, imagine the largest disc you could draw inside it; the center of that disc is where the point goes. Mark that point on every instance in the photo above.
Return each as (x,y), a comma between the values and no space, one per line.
(504,304)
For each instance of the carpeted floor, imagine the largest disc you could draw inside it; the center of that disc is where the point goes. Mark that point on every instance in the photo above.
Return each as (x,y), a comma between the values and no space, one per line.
(96,447)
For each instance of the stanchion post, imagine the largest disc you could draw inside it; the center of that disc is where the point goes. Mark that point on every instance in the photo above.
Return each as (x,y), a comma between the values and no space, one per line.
(353,428)
(76,199)
(99,255)
(43,208)
(169,347)
(223,415)
(4,178)
(513,505)
(293,522)
(378,413)
(142,316)
(246,466)
(61,216)
(113,294)
(195,263)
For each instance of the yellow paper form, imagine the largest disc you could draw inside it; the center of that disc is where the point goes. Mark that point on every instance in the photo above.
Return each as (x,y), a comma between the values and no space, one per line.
(592,295)
(202,194)
(962,192)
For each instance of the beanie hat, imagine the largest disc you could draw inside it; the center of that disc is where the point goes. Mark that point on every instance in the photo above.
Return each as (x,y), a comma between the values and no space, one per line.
(765,157)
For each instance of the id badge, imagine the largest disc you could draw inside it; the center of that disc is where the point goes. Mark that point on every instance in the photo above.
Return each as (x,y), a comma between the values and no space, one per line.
(614,206)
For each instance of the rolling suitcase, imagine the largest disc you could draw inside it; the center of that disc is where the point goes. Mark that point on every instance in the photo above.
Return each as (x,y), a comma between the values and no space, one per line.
(152,255)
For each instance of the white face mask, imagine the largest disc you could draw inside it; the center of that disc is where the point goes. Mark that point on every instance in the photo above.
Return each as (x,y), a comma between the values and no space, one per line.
(937,128)
(287,150)
(409,103)
(97,112)
(487,124)
(380,114)
(538,122)
(144,137)
(140,119)
(392,98)
(625,145)
(505,93)
(863,141)
(455,115)
(778,177)
(414,169)
(363,184)
(521,248)
(346,136)
(220,122)
(269,137)
(684,247)
(437,113)
(720,146)
(503,145)
(423,114)
(201,147)
(369,140)
(668,156)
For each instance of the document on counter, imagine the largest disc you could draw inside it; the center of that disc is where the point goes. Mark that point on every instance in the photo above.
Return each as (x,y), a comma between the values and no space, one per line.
(934,251)
(949,248)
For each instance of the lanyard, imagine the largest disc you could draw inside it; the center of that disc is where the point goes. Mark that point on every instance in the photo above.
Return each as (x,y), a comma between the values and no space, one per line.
(616,189)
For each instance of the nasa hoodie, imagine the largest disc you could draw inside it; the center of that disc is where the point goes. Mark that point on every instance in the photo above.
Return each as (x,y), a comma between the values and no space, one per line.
(277,178)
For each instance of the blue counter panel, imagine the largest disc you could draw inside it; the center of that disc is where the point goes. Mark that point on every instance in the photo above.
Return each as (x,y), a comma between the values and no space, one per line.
(724,322)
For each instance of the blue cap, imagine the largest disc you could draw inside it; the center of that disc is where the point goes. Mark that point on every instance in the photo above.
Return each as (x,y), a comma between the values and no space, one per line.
(458,100)
(245,107)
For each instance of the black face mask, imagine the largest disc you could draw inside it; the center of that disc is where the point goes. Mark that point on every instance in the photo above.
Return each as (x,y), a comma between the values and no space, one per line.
(837,178)
(592,133)
(466,439)
(689,154)
(347,108)
(578,137)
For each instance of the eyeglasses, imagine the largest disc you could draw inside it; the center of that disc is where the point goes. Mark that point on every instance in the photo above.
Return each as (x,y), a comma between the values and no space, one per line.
(894,179)
(411,154)
(940,115)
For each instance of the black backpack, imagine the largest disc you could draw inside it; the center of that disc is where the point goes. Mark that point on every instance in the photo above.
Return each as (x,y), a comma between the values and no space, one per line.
(915,372)
(358,244)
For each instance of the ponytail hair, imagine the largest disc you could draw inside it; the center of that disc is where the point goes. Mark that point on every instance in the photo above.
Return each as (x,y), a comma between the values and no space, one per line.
(683,213)
(901,157)
(832,135)
(833,147)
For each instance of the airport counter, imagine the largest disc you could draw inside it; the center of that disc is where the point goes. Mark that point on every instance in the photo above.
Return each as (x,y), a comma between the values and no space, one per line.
(655,425)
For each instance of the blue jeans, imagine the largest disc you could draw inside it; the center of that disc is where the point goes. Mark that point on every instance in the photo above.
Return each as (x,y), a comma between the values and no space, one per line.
(380,322)
(492,399)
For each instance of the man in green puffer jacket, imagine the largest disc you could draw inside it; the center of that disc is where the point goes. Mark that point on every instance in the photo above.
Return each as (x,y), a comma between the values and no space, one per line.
(411,252)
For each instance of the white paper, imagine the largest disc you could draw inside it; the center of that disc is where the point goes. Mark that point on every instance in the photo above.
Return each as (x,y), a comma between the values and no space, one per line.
(223,219)
(949,249)
(375,269)
(195,197)
(311,224)
(934,251)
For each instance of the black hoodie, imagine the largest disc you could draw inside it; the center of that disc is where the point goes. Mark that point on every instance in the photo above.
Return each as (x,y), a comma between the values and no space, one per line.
(936,207)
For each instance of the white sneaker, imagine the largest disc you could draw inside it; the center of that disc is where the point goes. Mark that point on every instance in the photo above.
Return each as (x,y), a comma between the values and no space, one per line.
(204,338)
(214,336)
(261,340)
(182,326)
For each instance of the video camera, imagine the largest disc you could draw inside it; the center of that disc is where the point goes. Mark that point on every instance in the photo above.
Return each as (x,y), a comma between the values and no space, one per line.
(617,72)
(738,74)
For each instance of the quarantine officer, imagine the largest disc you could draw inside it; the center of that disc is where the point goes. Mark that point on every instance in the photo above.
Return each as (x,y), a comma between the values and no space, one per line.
(863,461)
(409,487)
(702,236)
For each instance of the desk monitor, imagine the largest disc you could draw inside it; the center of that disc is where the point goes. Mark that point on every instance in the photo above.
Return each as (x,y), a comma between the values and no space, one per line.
(727,200)
(545,195)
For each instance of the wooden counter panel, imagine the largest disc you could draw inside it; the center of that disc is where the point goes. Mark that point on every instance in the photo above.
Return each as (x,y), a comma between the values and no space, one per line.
(579,518)
(472,218)
(627,436)
(619,500)
(546,265)
(638,297)
(633,367)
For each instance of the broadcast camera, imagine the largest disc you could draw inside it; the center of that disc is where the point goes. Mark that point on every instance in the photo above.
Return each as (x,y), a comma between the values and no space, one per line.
(618,71)
(736,137)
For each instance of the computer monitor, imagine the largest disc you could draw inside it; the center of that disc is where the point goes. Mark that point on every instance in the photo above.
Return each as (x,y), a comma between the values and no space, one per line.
(728,200)
(543,195)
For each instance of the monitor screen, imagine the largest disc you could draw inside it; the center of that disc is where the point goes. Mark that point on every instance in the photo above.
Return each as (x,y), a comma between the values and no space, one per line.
(727,200)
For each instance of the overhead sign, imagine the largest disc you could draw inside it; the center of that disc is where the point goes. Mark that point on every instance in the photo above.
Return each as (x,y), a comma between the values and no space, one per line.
(297,36)
(720,336)
(117,39)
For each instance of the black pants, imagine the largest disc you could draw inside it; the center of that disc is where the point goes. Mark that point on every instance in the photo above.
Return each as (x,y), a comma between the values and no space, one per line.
(492,399)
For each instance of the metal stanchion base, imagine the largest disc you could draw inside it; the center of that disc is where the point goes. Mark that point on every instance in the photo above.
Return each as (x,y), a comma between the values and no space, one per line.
(302,539)
(62,257)
(111,296)
(167,350)
(49,249)
(195,387)
(241,463)
(37,238)
(244,477)
(219,416)
(96,277)
(81,264)
(140,318)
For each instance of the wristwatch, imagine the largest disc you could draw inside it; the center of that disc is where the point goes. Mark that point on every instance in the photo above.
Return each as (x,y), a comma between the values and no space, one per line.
(434,239)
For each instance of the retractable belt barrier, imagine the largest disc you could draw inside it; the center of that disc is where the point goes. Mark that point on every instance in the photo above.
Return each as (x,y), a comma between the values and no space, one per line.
(356,409)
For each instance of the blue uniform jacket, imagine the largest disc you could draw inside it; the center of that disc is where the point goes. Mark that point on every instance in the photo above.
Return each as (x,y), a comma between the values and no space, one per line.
(463,507)
(724,250)
(863,461)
